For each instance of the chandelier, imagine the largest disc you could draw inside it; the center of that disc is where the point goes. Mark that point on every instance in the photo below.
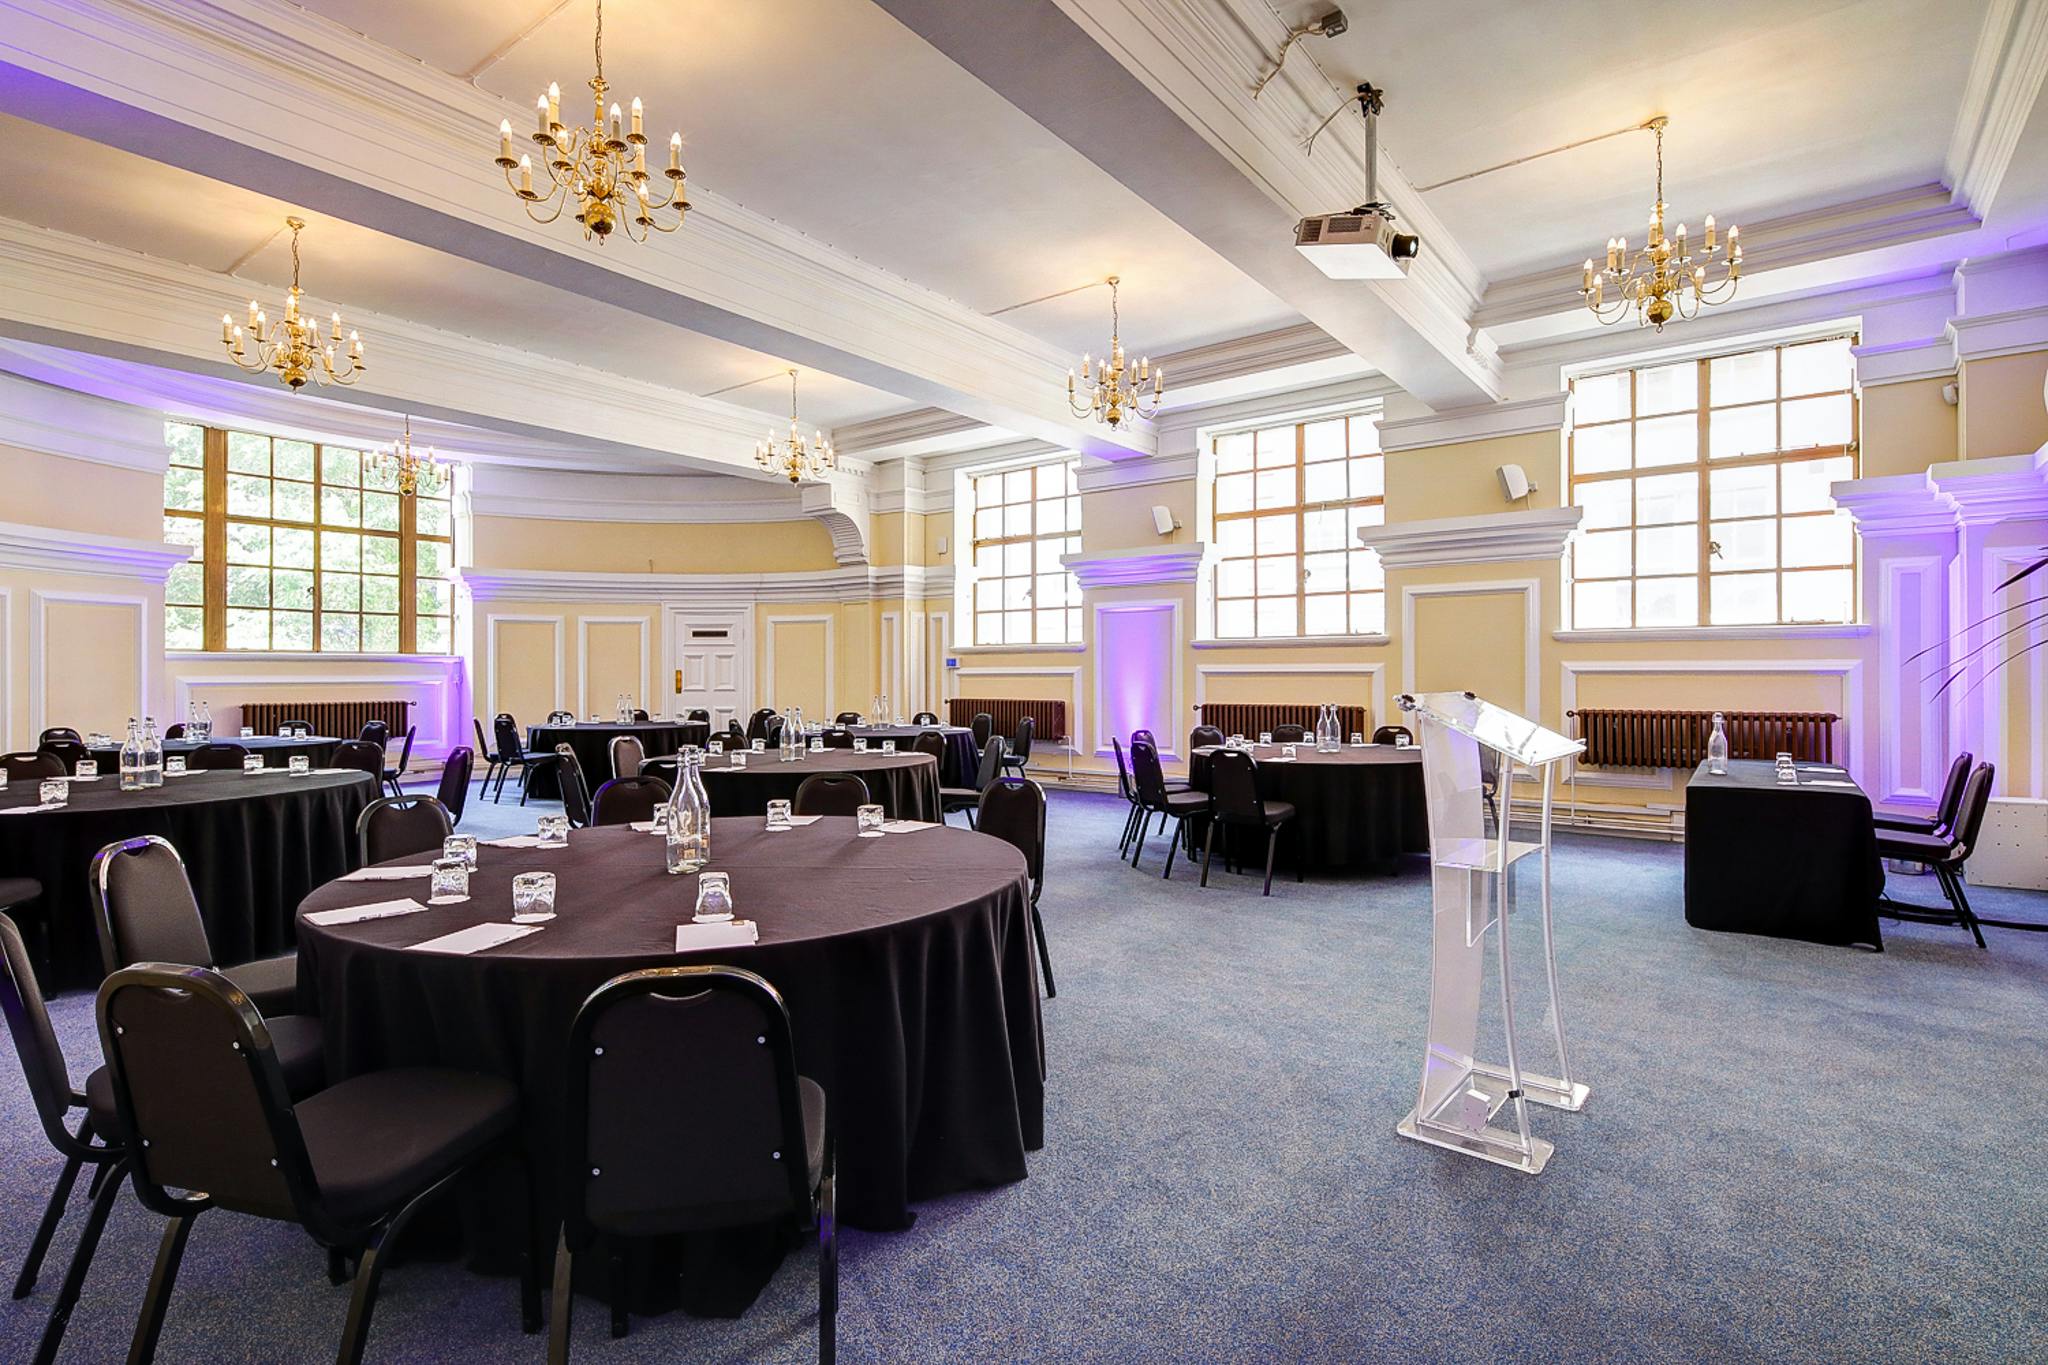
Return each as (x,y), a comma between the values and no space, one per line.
(1668,277)
(602,168)
(1114,388)
(293,348)
(414,473)
(794,457)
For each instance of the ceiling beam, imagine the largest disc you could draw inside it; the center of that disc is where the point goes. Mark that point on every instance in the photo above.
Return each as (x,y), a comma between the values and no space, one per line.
(264,95)
(2006,77)
(1158,94)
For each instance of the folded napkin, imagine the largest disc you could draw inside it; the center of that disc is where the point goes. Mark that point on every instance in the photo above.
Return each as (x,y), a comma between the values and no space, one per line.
(738,933)
(476,938)
(906,826)
(1827,782)
(24,810)
(356,914)
(328,772)
(389,874)
(517,841)
(795,822)
(94,778)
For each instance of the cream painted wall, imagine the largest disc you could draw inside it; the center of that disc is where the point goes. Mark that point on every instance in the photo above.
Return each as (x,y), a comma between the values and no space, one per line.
(1906,427)
(1459,480)
(2003,411)
(651,547)
(1120,518)
(78,495)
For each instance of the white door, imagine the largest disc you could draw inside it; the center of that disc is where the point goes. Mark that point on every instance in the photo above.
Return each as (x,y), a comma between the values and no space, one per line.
(710,666)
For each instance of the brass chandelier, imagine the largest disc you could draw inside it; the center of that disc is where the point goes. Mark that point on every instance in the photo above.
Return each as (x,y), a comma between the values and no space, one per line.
(413,472)
(1668,278)
(1113,389)
(602,169)
(794,457)
(293,347)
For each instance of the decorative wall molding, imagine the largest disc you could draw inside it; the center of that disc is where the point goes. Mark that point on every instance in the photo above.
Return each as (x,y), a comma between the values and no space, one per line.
(583,625)
(1176,703)
(1202,423)
(858,584)
(1904,362)
(840,502)
(148,642)
(492,620)
(1895,505)
(1159,469)
(1138,566)
(679,499)
(1988,335)
(1900,699)
(768,625)
(1541,533)
(1374,673)
(1455,426)
(1531,591)
(56,421)
(2005,80)
(2006,488)
(46,549)
(1077,718)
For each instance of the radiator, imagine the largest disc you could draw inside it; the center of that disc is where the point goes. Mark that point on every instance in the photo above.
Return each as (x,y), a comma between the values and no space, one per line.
(1048,718)
(336,719)
(1633,738)
(1255,718)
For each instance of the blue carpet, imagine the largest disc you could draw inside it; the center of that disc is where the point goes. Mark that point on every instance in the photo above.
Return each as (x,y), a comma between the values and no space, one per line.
(1792,1153)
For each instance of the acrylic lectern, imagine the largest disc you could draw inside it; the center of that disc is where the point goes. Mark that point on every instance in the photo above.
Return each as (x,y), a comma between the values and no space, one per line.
(1471,752)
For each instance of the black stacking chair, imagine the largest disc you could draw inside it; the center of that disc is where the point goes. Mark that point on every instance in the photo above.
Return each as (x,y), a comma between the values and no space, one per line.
(1130,794)
(837,738)
(984,727)
(640,716)
(575,791)
(65,751)
(1013,810)
(646,1154)
(50,1089)
(623,800)
(297,727)
(176,731)
(1945,811)
(1945,855)
(56,732)
(969,798)
(933,743)
(377,733)
(628,753)
(397,770)
(17,895)
(1204,736)
(358,754)
(512,754)
(925,718)
(699,713)
(1234,800)
(195,1070)
(830,794)
(1020,747)
(851,718)
(757,725)
(27,767)
(1289,734)
(395,826)
(219,756)
(455,771)
(1153,795)
(735,737)
(1393,734)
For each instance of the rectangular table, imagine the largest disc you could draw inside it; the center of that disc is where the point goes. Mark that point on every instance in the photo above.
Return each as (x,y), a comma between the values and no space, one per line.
(1791,861)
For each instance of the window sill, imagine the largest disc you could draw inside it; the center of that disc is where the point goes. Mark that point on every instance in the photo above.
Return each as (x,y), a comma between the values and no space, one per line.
(302,657)
(1297,642)
(1848,631)
(972,650)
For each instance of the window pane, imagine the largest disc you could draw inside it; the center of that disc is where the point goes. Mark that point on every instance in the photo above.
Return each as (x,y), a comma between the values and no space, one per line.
(1324,614)
(291,630)
(432,599)
(341,507)
(1017,627)
(291,460)
(380,633)
(1047,556)
(1276,447)
(340,551)
(1234,493)
(1276,617)
(340,468)
(248,454)
(1276,487)
(1324,482)
(1826,539)
(1234,453)
(1234,537)
(186,531)
(1816,422)
(291,501)
(1016,593)
(294,549)
(1368,477)
(1667,602)
(1667,498)
(1747,378)
(1052,517)
(1234,578)
(341,591)
(1818,366)
(380,593)
(380,511)
(1747,492)
(988,523)
(186,584)
(1668,388)
(1601,450)
(1820,595)
(248,543)
(248,628)
(1365,435)
(1278,575)
(1325,573)
(1366,571)
(381,475)
(1052,626)
(1744,599)
(185,489)
(1601,606)
(1742,431)
(1017,519)
(1668,550)
(1600,397)
(1017,486)
(380,555)
(1667,440)
(1606,503)
(433,635)
(1234,619)
(248,587)
(1017,558)
(1602,554)
(1049,590)
(1324,530)
(248,496)
(1274,535)
(187,443)
(1744,545)
(1806,483)
(291,589)
(431,516)
(184,628)
(340,633)
(1323,441)
(988,628)
(1369,613)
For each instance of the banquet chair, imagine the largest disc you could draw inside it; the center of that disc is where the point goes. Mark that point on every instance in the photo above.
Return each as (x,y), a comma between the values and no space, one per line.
(627,753)
(195,1066)
(851,718)
(50,1089)
(668,769)
(757,724)
(60,732)
(1153,795)
(1945,855)
(1013,810)
(66,751)
(454,788)
(830,794)
(933,743)
(925,718)
(1020,746)
(492,758)
(1234,800)
(26,767)
(21,894)
(735,737)
(512,754)
(969,798)
(175,731)
(1130,794)
(392,773)
(218,756)
(1393,734)
(575,791)
(1205,737)
(698,713)
(837,737)
(1945,810)
(644,1156)
(398,826)
(640,716)
(1289,734)
(623,800)
(377,733)
(984,727)
(358,754)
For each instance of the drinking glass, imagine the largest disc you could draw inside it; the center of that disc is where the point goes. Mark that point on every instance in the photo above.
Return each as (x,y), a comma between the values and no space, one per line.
(451,881)
(55,791)
(714,898)
(300,765)
(860,744)
(888,746)
(714,746)
(3,779)
(533,897)
(284,732)
(1236,741)
(86,767)
(738,760)
(175,765)
(1265,736)
(817,745)
(252,763)
(759,746)
(870,818)
(554,831)
(778,815)
(461,846)
(1357,740)
(1287,751)
(248,732)
(1784,760)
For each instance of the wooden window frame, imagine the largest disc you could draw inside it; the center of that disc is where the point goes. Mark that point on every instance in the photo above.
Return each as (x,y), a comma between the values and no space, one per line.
(1071,624)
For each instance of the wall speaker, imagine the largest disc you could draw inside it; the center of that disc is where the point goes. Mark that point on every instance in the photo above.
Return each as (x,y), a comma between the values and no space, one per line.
(1162,520)
(1514,484)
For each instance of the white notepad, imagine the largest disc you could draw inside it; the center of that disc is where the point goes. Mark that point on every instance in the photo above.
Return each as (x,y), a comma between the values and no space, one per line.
(906,826)
(738,933)
(356,914)
(795,822)
(25,810)
(389,874)
(517,841)
(476,938)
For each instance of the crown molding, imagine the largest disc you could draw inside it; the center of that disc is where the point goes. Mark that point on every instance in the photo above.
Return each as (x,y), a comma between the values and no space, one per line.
(1903,362)
(1548,413)
(1316,400)
(1541,533)
(903,432)
(2006,75)
(50,550)
(854,584)
(1895,505)
(1160,469)
(57,421)
(1989,335)
(2006,488)
(1137,567)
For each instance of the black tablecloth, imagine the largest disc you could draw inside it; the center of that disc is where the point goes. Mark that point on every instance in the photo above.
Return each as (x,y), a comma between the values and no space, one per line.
(1763,857)
(906,962)
(1362,806)
(592,741)
(277,750)
(906,785)
(956,769)
(252,845)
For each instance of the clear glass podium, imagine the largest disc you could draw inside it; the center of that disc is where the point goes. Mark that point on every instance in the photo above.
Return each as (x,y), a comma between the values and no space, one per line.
(1471,751)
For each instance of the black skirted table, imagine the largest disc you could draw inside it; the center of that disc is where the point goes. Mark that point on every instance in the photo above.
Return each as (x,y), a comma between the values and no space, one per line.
(906,785)
(276,750)
(1361,806)
(906,962)
(1791,860)
(592,743)
(962,758)
(252,845)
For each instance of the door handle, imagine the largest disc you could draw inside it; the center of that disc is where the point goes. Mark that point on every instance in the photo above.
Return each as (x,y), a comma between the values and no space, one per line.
(679,682)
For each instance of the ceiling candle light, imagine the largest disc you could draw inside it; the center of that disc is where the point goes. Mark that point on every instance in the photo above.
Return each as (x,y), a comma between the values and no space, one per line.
(293,349)
(1116,384)
(795,458)
(1668,279)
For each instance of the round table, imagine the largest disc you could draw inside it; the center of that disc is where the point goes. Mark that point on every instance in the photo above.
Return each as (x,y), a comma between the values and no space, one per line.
(906,962)
(956,769)
(906,785)
(252,845)
(1360,806)
(277,750)
(592,743)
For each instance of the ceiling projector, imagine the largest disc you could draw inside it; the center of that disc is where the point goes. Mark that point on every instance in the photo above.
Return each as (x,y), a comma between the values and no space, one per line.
(1359,245)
